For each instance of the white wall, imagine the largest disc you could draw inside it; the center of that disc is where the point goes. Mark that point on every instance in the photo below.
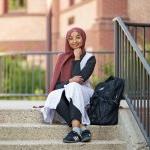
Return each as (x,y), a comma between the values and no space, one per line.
(22,28)
(37,6)
(84,17)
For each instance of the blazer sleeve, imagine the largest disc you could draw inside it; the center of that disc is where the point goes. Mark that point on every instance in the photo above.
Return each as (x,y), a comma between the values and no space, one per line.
(60,85)
(86,71)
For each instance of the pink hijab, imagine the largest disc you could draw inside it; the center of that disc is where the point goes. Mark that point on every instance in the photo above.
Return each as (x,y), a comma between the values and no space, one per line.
(63,66)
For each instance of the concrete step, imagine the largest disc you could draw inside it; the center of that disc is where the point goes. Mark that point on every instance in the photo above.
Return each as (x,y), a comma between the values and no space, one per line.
(59,145)
(42,131)
(20,116)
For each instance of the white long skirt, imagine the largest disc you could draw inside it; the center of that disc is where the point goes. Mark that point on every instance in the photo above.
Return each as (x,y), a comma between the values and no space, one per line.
(80,95)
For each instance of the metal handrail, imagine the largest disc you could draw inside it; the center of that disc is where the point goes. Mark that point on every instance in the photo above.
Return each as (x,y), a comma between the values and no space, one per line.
(28,52)
(131,65)
(134,45)
(138,24)
(45,52)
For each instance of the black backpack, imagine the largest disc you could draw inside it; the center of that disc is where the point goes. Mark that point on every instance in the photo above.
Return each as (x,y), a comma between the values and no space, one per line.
(104,104)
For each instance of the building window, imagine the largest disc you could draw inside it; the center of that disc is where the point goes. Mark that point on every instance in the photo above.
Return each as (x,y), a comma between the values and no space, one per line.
(16,6)
(71,20)
(71,2)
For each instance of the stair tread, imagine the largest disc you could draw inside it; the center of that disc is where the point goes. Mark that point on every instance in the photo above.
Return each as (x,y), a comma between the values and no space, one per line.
(19,104)
(39,142)
(25,131)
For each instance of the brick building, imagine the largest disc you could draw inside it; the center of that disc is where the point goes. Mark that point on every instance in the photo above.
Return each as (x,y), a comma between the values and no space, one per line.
(95,17)
(27,28)
(23,25)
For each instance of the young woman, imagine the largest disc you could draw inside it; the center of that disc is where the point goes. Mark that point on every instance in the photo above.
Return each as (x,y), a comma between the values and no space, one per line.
(70,90)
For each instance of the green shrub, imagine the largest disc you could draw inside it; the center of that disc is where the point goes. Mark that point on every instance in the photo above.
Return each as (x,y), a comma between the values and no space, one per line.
(108,70)
(22,78)
(94,80)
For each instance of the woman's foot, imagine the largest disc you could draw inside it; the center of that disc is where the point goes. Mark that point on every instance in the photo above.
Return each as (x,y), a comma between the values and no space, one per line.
(72,137)
(86,136)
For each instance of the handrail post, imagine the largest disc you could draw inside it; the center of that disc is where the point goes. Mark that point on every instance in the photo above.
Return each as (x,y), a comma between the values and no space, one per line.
(116,47)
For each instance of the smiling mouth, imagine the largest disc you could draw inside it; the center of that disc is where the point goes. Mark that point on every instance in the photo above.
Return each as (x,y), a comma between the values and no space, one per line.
(75,44)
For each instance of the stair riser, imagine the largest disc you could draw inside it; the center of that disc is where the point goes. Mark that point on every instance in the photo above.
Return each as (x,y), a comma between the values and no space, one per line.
(36,133)
(20,116)
(65,147)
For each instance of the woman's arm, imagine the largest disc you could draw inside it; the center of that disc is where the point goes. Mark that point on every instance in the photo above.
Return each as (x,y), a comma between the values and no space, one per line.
(79,75)
(86,71)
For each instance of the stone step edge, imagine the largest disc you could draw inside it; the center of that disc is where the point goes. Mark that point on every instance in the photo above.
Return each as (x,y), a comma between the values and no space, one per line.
(60,142)
(54,126)
(51,125)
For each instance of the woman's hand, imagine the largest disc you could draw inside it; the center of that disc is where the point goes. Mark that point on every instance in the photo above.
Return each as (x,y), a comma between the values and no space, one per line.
(77,79)
(77,53)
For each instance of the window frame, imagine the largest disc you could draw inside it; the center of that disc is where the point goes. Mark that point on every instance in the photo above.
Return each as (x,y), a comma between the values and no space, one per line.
(18,10)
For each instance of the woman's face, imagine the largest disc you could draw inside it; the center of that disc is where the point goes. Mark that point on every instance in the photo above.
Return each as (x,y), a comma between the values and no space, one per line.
(75,40)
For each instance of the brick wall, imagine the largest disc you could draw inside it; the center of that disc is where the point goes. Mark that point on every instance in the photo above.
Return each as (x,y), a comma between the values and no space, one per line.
(113,8)
(139,11)
(22,46)
(1,7)
(22,33)
(106,11)
(95,17)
